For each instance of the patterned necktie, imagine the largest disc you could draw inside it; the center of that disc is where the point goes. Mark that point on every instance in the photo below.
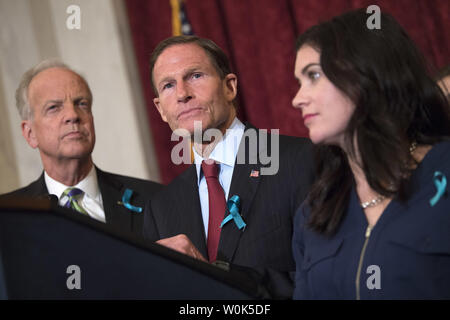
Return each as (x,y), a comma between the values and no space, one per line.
(216,198)
(72,202)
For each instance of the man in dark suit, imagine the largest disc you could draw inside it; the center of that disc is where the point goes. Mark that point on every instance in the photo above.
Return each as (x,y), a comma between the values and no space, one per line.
(195,92)
(55,105)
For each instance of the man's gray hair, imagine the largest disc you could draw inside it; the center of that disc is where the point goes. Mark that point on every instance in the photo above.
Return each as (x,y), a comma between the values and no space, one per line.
(22,102)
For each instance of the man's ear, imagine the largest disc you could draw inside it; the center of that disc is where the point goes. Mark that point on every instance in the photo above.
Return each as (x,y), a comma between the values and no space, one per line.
(230,83)
(160,110)
(28,133)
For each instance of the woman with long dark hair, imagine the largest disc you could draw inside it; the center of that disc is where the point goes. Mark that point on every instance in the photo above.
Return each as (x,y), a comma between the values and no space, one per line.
(376,224)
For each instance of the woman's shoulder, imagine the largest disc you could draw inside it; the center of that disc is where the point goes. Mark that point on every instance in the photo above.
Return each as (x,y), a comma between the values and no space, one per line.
(441,149)
(438,157)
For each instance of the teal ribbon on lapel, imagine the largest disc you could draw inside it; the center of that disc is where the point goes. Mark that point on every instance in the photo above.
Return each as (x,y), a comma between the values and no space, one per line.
(233,207)
(441,185)
(126,201)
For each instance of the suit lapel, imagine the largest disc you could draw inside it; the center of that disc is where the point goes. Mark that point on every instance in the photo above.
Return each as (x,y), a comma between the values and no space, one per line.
(39,188)
(112,190)
(244,186)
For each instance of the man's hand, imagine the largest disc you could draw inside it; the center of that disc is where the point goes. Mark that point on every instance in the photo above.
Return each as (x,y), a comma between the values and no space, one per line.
(181,243)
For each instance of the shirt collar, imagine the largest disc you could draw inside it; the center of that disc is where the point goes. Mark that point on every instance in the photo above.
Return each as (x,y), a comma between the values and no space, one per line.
(89,185)
(226,150)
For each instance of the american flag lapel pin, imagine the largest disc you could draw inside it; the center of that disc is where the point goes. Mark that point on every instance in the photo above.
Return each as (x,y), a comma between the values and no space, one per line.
(254,173)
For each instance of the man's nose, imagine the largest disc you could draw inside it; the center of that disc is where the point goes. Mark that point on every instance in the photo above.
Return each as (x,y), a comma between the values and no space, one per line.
(71,113)
(183,92)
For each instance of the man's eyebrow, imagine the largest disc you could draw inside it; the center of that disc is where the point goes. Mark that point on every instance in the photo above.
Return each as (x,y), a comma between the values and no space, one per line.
(52,101)
(165,79)
(187,72)
(49,103)
(78,98)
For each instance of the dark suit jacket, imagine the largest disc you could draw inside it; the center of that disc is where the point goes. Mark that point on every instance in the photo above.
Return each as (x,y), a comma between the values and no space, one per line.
(268,205)
(112,187)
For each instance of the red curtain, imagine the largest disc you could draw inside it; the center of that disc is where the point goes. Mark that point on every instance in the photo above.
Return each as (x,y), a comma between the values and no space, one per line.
(259,36)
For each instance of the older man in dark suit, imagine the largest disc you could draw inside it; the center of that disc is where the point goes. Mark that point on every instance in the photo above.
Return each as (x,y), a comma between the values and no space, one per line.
(195,92)
(55,105)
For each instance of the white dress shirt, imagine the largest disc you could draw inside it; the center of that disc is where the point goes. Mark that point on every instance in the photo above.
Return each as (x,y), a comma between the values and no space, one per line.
(91,200)
(224,153)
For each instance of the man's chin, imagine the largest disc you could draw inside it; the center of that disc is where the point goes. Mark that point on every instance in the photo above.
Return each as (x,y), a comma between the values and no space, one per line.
(189,129)
(79,153)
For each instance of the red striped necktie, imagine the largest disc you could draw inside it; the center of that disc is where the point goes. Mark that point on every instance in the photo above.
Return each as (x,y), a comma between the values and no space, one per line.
(216,198)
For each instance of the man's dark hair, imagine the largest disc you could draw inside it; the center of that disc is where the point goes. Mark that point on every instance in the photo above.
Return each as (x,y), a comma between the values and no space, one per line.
(218,58)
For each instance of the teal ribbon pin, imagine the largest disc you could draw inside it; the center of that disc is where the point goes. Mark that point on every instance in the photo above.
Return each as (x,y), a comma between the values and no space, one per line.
(233,207)
(126,201)
(441,185)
